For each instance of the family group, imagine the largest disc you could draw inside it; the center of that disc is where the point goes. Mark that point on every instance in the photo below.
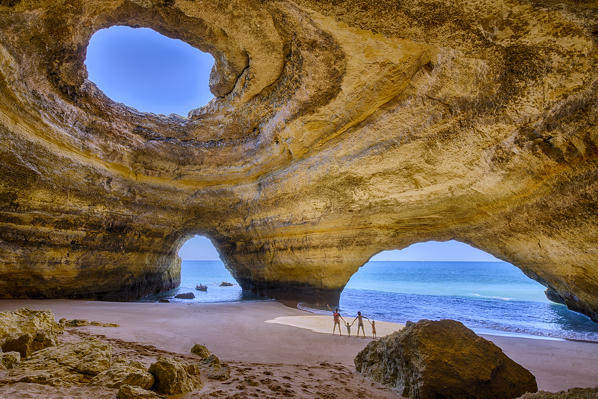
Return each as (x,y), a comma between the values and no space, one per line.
(359,318)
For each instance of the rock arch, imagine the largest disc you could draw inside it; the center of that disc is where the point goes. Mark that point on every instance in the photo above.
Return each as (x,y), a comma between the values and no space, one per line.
(337,131)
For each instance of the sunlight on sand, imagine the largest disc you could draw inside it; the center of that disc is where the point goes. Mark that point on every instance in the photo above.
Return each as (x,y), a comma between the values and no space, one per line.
(323,324)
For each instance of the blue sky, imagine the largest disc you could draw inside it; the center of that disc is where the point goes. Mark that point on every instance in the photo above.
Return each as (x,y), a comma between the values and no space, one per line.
(148,71)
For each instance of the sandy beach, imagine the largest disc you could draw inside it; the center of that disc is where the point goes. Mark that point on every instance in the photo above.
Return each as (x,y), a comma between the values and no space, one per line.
(255,336)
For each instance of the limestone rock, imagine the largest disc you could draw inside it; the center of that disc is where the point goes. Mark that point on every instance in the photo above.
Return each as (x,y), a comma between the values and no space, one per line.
(28,321)
(134,392)
(74,323)
(125,373)
(25,344)
(215,369)
(573,393)
(67,363)
(43,339)
(186,295)
(358,126)
(9,359)
(103,324)
(26,331)
(432,359)
(172,377)
(82,323)
(200,350)
(18,343)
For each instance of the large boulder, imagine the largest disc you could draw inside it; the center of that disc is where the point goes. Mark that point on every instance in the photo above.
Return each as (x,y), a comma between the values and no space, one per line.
(443,359)
(172,377)
(125,373)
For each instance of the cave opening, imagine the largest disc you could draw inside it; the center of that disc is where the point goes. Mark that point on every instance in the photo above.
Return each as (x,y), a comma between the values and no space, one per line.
(148,71)
(452,280)
(204,275)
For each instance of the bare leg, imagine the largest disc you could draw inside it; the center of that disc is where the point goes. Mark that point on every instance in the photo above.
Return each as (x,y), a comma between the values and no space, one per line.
(362,330)
(339,329)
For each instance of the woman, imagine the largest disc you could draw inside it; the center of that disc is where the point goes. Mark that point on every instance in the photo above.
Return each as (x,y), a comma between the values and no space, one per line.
(337,321)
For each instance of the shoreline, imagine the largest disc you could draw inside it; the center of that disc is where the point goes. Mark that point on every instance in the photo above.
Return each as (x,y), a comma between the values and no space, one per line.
(238,332)
(296,305)
(482,332)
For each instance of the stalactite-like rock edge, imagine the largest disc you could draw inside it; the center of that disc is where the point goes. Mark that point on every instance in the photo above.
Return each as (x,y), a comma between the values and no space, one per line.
(339,129)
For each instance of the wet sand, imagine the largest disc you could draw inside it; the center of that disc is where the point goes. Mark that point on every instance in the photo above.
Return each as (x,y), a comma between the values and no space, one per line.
(240,333)
(323,325)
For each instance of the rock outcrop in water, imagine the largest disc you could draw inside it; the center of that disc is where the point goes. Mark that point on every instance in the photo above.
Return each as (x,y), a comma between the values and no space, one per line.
(339,129)
(443,359)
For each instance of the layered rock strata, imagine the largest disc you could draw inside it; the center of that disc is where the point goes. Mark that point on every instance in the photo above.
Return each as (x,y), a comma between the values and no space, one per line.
(339,129)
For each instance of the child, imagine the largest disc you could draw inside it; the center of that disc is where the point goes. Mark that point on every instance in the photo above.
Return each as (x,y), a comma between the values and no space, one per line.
(348,327)
(373,323)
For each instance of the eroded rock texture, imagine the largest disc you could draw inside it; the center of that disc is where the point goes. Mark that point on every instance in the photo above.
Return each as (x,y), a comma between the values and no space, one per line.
(443,359)
(340,129)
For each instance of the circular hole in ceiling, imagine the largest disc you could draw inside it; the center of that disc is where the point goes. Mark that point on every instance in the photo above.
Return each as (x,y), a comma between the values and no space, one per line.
(148,71)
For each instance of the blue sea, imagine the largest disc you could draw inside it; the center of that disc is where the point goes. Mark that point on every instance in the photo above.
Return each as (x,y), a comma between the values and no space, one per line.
(488,297)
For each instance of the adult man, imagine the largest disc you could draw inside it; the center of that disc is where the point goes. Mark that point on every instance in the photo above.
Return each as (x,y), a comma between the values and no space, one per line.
(359,319)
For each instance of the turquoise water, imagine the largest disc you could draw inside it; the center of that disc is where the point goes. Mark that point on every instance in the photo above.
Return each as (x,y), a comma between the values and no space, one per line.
(498,280)
(489,297)
(209,273)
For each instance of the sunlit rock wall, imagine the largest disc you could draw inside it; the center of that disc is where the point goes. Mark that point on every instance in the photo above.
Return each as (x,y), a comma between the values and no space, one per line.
(339,129)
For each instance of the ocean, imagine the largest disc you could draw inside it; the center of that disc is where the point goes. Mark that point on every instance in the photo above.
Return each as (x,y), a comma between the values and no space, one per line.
(488,297)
